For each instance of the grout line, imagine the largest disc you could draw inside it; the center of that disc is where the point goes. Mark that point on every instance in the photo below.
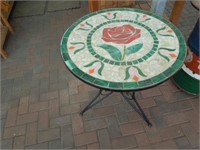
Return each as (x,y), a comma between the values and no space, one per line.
(45,8)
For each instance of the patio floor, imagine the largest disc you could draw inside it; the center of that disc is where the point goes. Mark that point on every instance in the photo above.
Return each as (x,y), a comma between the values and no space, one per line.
(41,99)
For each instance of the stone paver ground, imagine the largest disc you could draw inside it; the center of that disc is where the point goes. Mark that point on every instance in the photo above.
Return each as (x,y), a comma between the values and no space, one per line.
(41,99)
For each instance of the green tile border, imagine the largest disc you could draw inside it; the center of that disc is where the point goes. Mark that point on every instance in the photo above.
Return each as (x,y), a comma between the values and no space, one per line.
(124,86)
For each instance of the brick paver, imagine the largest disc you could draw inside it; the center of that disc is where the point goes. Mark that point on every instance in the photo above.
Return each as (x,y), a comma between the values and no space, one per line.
(48,135)
(113,127)
(67,137)
(77,124)
(183,143)
(38,146)
(191,135)
(56,144)
(27,118)
(104,139)
(11,117)
(104,111)
(70,109)
(143,141)
(18,142)
(38,106)
(131,128)
(93,146)
(176,118)
(49,95)
(14,131)
(85,138)
(23,106)
(170,132)
(146,103)
(95,124)
(31,134)
(170,144)
(54,108)
(43,120)
(124,142)
(151,92)
(64,97)
(60,121)
(7,144)
(41,99)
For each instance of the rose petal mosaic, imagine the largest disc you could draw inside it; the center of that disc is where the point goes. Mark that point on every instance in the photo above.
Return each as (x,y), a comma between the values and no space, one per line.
(123,49)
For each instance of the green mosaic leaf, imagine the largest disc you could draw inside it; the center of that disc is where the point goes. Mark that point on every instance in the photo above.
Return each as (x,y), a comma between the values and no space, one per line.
(163,28)
(124,52)
(140,71)
(168,49)
(146,20)
(83,29)
(133,49)
(101,68)
(90,64)
(80,49)
(114,16)
(91,26)
(105,17)
(163,56)
(137,17)
(127,75)
(113,51)
(166,35)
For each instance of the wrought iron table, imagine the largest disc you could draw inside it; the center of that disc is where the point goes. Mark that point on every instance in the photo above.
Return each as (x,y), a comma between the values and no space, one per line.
(122,50)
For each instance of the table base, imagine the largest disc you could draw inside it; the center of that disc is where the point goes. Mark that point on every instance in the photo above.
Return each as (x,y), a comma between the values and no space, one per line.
(128,96)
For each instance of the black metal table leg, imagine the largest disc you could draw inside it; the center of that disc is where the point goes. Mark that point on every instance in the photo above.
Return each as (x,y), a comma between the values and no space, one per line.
(130,98)
(95,100)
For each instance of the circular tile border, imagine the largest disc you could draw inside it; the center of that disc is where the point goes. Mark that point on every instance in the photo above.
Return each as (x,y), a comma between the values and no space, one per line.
(124,86)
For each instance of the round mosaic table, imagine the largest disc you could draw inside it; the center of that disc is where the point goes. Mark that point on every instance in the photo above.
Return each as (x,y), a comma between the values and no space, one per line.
(123,49)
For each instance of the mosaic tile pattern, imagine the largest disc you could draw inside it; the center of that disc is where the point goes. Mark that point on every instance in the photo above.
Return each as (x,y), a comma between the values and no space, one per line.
(123,49)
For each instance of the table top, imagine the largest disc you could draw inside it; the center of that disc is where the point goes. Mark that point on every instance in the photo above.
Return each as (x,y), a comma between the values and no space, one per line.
(123,49)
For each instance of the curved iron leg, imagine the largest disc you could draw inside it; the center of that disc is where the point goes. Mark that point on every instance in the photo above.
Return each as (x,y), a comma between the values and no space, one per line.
(136,107)
(95,101)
